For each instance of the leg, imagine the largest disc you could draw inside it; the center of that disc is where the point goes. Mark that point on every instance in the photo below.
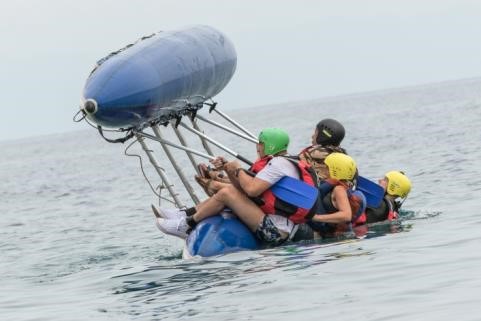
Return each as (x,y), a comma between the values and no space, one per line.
(209,185)
(247,211)
(216,186)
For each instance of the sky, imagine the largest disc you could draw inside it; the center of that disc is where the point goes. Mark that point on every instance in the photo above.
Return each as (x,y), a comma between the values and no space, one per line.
(286,50)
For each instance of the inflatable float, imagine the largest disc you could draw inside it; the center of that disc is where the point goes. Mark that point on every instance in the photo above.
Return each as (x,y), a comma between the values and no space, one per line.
(159,80)
(159,77)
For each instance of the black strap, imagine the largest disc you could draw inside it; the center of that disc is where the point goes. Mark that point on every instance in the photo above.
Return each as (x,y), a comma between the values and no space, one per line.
(211,106)
(118,140)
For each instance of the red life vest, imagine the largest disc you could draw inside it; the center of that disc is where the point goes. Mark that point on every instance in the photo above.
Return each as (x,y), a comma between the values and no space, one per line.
(274,205)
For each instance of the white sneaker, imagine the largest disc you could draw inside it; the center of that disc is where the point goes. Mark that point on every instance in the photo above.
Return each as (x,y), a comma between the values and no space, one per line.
(168,213)
(176,227)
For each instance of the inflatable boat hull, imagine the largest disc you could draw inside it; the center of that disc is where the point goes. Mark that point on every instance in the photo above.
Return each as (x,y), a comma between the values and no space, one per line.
(217,235)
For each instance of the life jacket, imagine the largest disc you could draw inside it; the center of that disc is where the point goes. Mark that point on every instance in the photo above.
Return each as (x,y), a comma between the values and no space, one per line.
(315,155)
(357,201)
(260,164)
(388,210)
(358,206)
(393,209)
(272,205)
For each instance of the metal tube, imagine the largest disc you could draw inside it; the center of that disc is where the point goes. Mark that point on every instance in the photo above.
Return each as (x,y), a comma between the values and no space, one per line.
(160,171)
(187,149)
(184,143)
(230,130)
(173,161)
(233,122)
(204,142)
(228,150)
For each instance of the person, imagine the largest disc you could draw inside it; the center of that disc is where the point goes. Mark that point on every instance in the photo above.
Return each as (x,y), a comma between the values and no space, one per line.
(250,197)
(339,205)
(325,140)
(212,179)
(397,187)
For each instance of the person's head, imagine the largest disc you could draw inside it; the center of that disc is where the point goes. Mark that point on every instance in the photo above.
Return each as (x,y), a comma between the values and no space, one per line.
(272,141)
(328,132)
(396,184)
(341,166)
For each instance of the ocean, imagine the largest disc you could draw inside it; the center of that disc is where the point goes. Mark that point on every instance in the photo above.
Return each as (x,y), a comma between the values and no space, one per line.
(78,241)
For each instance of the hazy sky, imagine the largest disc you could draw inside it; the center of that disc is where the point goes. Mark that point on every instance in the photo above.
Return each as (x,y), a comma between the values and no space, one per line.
(287,50)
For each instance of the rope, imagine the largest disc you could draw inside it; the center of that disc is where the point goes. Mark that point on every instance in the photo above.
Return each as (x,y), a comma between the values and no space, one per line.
(118,140)
(159,187)
(114,53)
(84,114)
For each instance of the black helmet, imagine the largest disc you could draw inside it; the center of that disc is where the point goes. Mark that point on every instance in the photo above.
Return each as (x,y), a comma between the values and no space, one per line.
(330,132)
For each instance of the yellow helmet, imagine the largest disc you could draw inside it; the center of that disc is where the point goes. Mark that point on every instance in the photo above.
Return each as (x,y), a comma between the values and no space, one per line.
(341,166)
(398,184)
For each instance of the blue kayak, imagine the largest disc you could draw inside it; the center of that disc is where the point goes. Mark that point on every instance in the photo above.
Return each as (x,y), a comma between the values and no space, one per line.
(159,77)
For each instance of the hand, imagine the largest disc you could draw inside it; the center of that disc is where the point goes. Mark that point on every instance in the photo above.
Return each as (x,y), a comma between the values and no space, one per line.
(218,162)
(230,167)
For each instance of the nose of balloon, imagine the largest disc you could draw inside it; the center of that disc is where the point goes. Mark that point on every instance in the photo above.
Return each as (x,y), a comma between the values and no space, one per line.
(117,83)
(90,106)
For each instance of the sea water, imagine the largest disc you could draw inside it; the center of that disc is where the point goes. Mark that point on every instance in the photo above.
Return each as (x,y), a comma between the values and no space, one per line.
(78,241)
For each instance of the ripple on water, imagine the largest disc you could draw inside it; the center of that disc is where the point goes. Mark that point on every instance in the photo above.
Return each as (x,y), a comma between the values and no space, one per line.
(78,241)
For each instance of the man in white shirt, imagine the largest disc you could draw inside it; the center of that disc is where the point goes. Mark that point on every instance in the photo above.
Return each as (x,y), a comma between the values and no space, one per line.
(269,168)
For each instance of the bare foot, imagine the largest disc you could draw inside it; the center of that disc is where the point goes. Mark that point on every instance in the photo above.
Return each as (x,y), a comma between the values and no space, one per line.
(205,183)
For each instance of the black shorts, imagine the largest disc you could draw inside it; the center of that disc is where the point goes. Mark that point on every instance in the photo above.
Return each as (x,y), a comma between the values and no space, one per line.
(268,233)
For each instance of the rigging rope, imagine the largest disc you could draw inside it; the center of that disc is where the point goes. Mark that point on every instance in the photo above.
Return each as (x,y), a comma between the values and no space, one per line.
(159,187)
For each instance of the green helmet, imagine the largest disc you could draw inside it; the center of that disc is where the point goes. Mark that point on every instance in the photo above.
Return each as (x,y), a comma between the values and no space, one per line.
(275,140)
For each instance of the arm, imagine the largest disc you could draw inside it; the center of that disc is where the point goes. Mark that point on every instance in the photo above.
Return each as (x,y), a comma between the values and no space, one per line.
(252,186)
(344,213)
(230,168)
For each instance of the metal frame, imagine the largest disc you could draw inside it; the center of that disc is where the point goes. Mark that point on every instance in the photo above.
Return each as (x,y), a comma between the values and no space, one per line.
(160,170)
(227,129)
(177,168)
(205,139)
(233,122)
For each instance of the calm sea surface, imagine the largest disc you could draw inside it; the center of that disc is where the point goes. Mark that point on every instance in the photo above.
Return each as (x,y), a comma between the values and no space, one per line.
(78,241)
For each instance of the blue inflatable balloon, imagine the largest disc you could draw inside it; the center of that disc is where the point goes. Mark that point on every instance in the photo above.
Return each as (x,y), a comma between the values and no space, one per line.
(220,234)
(159,77)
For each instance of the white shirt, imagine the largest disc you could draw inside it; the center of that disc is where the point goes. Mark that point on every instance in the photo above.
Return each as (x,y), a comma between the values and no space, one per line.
(277,168)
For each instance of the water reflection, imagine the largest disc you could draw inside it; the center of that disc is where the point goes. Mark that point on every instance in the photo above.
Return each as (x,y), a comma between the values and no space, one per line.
(177,275)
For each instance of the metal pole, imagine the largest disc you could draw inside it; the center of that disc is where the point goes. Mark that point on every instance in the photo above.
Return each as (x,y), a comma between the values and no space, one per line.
(159,169)
(228,150)
(173,161)
(204,142)
(184,144)
(187,149)
(233,122)
(246,137)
